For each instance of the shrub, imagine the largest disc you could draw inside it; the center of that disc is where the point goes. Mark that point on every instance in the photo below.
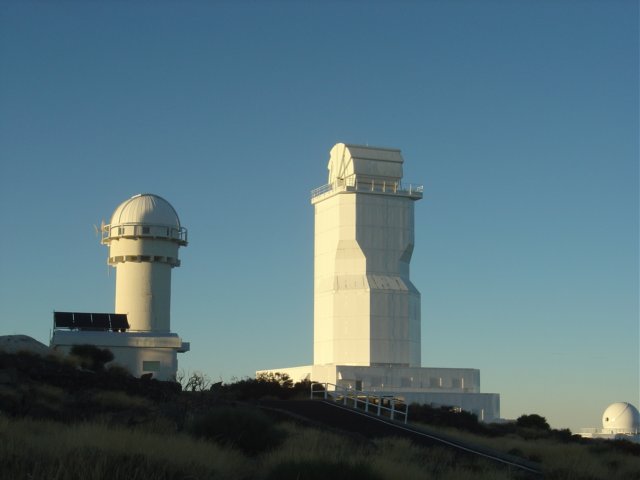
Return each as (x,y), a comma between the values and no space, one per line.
(532,421)
(92,357)
(248,429)
(114,400)
(446,417)
(196,382)
(118,371)
(282,379)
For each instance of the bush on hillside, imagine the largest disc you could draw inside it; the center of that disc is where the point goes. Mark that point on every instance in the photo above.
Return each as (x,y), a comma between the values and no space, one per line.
(92,357)
(445,417)
(247,429)
(278,385)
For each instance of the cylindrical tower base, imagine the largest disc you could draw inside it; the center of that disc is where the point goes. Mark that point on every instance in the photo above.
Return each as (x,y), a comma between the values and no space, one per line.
(143,291)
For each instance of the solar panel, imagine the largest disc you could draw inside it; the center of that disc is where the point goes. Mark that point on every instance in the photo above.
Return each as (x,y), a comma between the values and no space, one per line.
(63,319)
(100,321)
(82,320)
(119,321)
(91,321)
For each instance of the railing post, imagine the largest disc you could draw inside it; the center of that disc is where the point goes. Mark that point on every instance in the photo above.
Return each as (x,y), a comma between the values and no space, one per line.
(393,408)
(326,387)
(379,405)
(366,405)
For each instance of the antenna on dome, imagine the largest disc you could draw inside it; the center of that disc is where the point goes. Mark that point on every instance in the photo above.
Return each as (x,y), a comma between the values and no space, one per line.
(98,231)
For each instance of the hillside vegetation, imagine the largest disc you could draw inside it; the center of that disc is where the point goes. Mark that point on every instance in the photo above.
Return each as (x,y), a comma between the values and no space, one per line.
(72,419)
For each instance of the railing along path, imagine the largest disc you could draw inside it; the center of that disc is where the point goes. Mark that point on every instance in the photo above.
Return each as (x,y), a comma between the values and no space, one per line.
(370,402)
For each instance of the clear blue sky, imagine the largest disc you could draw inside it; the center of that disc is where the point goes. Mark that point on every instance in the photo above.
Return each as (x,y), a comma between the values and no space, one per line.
(520,117)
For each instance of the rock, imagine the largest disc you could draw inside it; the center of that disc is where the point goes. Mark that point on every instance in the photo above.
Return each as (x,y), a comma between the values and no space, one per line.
(23,343)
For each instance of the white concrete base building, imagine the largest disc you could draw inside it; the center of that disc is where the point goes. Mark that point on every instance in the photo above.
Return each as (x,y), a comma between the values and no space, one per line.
(366,310)
(143,237)
(139,353)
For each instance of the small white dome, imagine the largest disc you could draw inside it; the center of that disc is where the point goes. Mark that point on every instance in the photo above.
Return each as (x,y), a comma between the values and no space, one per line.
(145,209)
(621,416)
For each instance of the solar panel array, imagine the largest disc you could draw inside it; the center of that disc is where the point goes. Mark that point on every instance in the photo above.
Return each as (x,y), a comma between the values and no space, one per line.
(116,322)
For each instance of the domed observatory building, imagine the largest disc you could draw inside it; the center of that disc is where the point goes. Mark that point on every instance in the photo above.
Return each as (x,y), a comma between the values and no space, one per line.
(367,334)
(143,237)
(620,420)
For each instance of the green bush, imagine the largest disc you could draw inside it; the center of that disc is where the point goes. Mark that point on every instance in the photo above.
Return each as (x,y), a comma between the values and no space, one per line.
(247,429)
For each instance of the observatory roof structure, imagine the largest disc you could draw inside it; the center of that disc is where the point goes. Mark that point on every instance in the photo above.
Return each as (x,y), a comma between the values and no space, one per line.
(347,160)
(621,416)
(145,209)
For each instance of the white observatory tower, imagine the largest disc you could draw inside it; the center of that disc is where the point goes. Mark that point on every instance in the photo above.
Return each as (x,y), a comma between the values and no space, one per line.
(143,237)
(366,310)
(366,335)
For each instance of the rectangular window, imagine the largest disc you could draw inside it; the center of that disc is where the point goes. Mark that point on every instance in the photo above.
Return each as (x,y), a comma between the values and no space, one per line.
(150,366)
(145,229)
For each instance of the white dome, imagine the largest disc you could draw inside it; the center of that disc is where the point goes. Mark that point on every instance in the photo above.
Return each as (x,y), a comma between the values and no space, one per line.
(145,209)
(622,416)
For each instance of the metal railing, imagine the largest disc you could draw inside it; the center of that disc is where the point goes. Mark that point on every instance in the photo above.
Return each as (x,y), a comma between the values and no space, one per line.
(138,230)
(613,431)
(371,402)
(352,183)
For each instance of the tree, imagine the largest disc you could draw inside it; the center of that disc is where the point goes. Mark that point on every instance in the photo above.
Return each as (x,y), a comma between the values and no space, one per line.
(533,421)
(197,382)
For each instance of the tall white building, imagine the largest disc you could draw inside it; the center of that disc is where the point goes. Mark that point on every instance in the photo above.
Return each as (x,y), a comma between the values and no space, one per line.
(366,310)
(143,237)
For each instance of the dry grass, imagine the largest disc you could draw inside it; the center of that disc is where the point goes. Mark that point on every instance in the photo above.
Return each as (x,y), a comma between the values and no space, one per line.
(562,460)
(388,458)
(56,451)
(42,449)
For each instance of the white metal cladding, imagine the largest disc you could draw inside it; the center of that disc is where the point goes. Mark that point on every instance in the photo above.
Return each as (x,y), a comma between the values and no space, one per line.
(366,310)
(146,209)
(145,215)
